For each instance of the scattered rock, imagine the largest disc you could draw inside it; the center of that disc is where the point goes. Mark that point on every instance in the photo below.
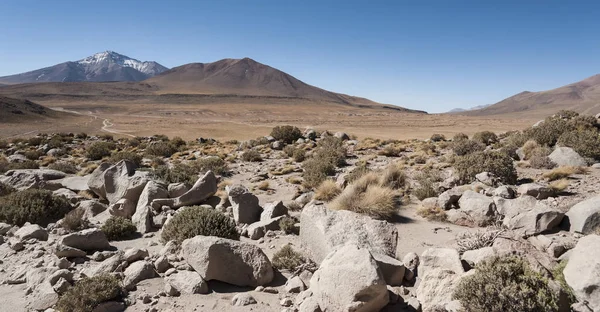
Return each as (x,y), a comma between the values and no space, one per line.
(273,210)
(584,217)
(535,190)
(566,156)
(29,231)
(204,188)
(582,272)
(137,272)
(142,218)
(258,229)
(480,208)
(245,205)
(86,240)
(187,282)
(242,299)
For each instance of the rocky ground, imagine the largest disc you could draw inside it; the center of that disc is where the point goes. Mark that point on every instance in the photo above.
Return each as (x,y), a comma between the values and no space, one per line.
(353,250)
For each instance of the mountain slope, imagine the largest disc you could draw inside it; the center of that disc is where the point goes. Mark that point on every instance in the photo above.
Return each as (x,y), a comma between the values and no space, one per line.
(582,96)
(17,110)
(104,66)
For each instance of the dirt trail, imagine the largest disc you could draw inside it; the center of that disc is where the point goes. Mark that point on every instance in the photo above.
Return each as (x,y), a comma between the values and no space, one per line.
(106,123)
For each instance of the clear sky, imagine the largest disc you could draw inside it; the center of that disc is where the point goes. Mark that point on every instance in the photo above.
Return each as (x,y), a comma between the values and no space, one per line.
(428,55)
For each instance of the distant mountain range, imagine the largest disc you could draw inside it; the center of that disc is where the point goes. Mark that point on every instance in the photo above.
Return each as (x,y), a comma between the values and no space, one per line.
(460,110)
(104,66)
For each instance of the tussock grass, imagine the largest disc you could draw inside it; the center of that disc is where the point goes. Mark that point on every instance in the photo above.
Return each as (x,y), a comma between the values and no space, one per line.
(367,196)
(432,214)
(564,172)
(327,190)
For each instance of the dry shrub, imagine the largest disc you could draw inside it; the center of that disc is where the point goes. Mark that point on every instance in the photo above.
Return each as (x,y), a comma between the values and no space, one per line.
(529,147)
(436,137)
(366,196)
(432,213)
(497,163)
(75,221)
(538,158)
(564,172)
(559,186)
(179,173)
(118,228)
(263,186)
(98,150)
(463,147)
(287,258)
(478,239)
(426,184)
(286,134)
(360,170)
(35,206)
(213,163)
(161,149)
(5,165)
(90,292)
(283,170)
(33,154)
(196,220)
(294,180)
(460,136)
(485,137)
(5,189)
(391,151)
(327,190)
(64,166)
(393,176)
(330,153)
(288,224)
(126,155)
(505,284)
(251,155)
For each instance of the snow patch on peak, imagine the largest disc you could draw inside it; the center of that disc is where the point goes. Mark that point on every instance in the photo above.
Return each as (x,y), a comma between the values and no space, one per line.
(108,58)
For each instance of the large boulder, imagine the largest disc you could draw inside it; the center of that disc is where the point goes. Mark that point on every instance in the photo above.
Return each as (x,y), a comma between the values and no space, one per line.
(566,156)
(440,258)
(86,240)
(75,183)
(510,208)
(91,208)
(246,208)
(137,272)
(96,180)
(142,218)
(349,280)
(535,220)
(480,208)
(29,231)
(449,199)
(323,229)
(228,261)
(582,272)
(205,187)
(273,210)
(119,182)
(536,190)
(435,289)
(23,179)
(584,217)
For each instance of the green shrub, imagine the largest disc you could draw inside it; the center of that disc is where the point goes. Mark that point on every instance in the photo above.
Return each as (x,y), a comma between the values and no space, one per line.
(288,225)
(286,134)
(485,137)
(34,206)
(33,155)
(106,137)
(64,166)
(179,173)
(460,136)
(126,155)
(549,131)
(498,163)
(316,171)
(559,276)
(251,155)
(178,142)
(57,141)
(287,258)
(118,228)
(436,137)
(212,163)
(463,147)
(505,284)
(330,153)
(98,150)
(331,149)
(34,141)
(289,150)
(5,189)
(198,220)
(299,155)
(584,142)
(426,184)
(89,292)
(162,149)
(28,164)
(75,221)
(538,158)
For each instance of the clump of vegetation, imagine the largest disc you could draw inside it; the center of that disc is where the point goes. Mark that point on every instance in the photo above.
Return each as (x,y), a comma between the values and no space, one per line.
(299,155)
(505,284)
(538,158)
(391,151)
(90,292)
(106,137)
(286,134)
(118,228)
(213,163)
(585,142)
(498,163)
(33,154)
(564,172)
(559,276)
(75,221)
(5,165)
(287,258)
(558,186)
(463,147)
(64,166)
(485,137)
(479,239)
(251,155)
(263,186)
(161,149)
(126,155)
(330,154)
(436,137)
(426,184)
(367,196)
(34,206)
(432,213)
(356,173)
(34,141)
(460,136)
(327,190)
(179,173)
(393,177)
(198,220)
(98,150)
(5,189)
(288,224)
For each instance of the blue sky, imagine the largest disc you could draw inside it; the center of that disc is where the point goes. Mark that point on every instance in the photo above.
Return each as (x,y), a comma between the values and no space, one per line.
(429,55)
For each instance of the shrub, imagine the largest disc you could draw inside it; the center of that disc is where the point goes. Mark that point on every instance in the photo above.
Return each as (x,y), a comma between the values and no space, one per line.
(33,155)
(178,142)
(126,155)
(179,173)
(34,206)
(34,141)
(251,155)
(529,147)
(133,142)
(393,177)
(212,163)
(329,154)
(118,228)
(161,149)
(586,142)
(299,155)
(98,150)
(559,276)
(432,213)
(479,239)
(198,220)
(327,190)
(549,131)
(497,163)
(564,172)
(89,292)
(357,172)
(106,137)
(286,134)
(3,144)
(426,184)
(331,149)
(288,224)
(485,137)
(28,164)
(390,151)
(263,186)
(464,147)
(366,196)
(558,186)
(287,258)
(316,171)
(64,166)
(436,137)
(460,136)
(5,189)
(538,158)
(289,150)
(75,221)
(505,284)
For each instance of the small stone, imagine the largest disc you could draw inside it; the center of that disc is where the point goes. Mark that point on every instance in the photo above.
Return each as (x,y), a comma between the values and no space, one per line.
(286,302)
(241,300)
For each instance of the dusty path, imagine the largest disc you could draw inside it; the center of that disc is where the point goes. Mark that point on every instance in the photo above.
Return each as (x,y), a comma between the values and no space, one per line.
(106,123)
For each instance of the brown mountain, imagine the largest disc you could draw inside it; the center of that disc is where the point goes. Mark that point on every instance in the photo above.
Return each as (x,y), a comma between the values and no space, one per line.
(582,96)
(17,110)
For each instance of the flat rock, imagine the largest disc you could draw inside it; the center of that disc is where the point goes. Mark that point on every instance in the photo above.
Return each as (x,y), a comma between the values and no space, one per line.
(584,217)
(86,240)
(566,156)
(582,272)
(187,282)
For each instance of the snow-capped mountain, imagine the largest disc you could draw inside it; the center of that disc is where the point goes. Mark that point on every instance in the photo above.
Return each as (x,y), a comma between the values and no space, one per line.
(104,66)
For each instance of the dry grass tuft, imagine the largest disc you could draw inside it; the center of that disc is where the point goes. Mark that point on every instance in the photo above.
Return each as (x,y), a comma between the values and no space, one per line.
(559,185)
(263,186)
(393,177)
(327,191)
(564,172)
(432,214)
(366,196)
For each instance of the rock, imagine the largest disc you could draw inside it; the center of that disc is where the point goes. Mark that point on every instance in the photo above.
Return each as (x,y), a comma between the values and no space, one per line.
(96,180)
(187,282)
(391,269)
(505,192)
(322,230)
(162,264)
(273,210)
(61,286)
(122,208)
(75,183)
(520,153)
(349,280)
(430,203)
(294,285)
(277,146)
(68,252)
(43,297)
(245,205)
(68,194)
(121,181)
(142,218)
(91,208)
(486,178)
(228,261)
(17,158)
(510,208)
(22,179)
(135,254)
(63,263)
(411,263)
(242,299)
(474,257)
(584,217)
(110,306)
(566,156)
(29,231)
(436,287)
(310,134)
(258,229)
(446,259)
(204,188)
(449,199)
(86,240)
(4,228)
(535,190)
(64,274)
(305,198)
(109,265)
(582,272)
(137,272)
(177,189)
(535,221)
(480,208)
(341,135)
